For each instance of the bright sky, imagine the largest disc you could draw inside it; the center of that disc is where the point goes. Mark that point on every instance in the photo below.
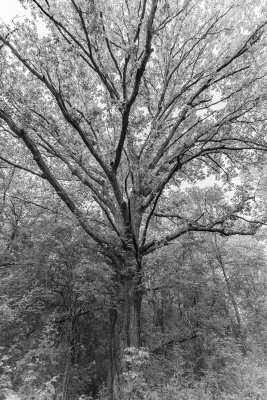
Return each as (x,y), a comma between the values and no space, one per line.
(10,9)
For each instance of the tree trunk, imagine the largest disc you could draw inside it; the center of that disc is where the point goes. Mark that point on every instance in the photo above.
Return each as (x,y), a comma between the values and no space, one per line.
(240,333)
(125,324)
(66,375)
(71,354)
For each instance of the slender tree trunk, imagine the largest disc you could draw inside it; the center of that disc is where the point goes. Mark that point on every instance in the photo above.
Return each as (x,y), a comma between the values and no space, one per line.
(125,325)
(241,334)
(71,353)
(66,376)
(113,367)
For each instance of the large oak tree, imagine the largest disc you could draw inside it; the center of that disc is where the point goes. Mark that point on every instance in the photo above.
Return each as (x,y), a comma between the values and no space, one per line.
(117,104)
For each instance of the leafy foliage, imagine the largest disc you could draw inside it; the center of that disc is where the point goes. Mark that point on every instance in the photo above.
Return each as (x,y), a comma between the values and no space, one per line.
(119,114)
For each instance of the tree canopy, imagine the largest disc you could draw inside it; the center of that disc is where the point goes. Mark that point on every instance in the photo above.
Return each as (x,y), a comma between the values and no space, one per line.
(113,102)
(122,109)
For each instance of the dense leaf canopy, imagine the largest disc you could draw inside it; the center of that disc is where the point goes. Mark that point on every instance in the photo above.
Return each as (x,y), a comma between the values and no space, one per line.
(144,123)
(115,105)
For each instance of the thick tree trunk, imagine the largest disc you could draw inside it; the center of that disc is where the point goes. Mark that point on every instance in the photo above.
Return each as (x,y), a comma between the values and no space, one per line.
(125,324)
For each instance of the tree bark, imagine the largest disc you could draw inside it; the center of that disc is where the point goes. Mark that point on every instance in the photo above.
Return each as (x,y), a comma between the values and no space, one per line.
(125,323)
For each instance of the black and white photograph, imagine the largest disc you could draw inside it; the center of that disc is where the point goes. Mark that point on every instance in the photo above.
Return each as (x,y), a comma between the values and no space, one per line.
(133,199)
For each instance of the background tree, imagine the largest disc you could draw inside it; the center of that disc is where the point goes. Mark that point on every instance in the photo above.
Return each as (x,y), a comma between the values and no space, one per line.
(116,105)
(55,301)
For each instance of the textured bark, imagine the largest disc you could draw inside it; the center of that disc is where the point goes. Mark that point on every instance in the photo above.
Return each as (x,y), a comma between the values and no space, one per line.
(125,323)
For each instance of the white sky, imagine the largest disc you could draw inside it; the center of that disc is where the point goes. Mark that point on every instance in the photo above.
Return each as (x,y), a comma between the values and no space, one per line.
(10,9)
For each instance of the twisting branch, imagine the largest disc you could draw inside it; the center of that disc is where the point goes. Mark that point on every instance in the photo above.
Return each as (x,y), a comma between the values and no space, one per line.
(103,76)
(217,225)
(212,228)
(20,166)
(109,47)
(208,82)
(48,175)
(138,77)
(68,117)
